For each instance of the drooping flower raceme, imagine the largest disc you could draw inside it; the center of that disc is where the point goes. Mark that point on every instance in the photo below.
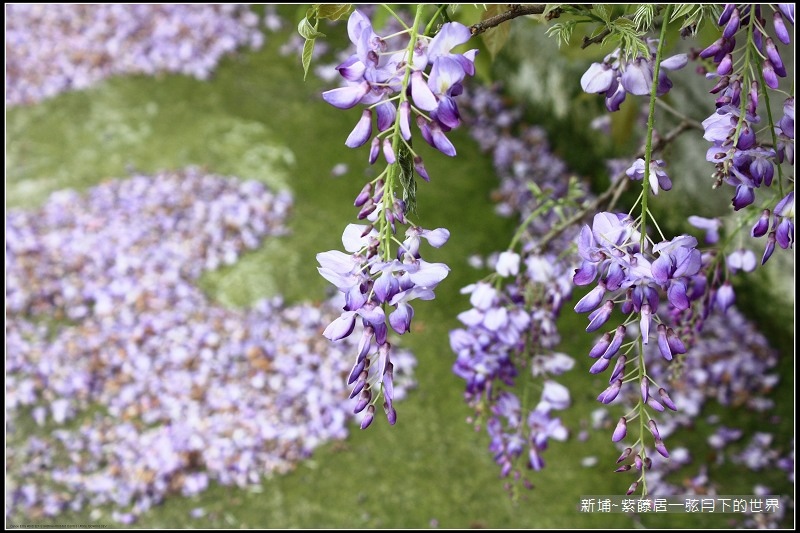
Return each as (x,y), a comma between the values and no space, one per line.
(741,158)
(379,284)
(370,286)
(637,279)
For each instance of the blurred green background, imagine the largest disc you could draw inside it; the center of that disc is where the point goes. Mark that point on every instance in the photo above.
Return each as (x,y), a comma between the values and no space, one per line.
(257,119)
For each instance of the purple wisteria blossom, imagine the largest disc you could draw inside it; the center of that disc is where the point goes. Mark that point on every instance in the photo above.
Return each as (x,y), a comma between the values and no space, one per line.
(617,76)
(113,39)
(193,393)
(741,158)
(374,75)
(508,334)
(656,177)
(638,279)
(370,285)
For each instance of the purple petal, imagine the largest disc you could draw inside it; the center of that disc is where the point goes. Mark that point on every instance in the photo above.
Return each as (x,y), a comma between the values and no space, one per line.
(362,132)
(600,365)
(368,418)
(732,26)
(775,57)
(441,142)
(447,112)
(620,431)
(615,96)
(600,348)
(608,395)
(784,235)
(661,268)
(386,114)
(419,166)
(675,343)
(388,151)
(770,78)
(446,73)
(676,294)
(638,77)
(675,62)
(663,345)
(744,196)
(585,274)
(346,97)
(599,316)
(592,299)
(780,29)
(436,237)
(421,93)
(352,69)
(616,342)
(341,327)
(429,274)
(357,369)
(450,35)
(618,368)
(762,225)
(400,319)
(374,150)
(666,400)
(725,66)
(405,120)
(644,323)
(788,11)
(598,78)
(655,404)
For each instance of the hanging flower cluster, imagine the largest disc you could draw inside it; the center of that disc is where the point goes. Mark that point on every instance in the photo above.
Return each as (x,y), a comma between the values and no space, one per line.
(401,78)
(377,76)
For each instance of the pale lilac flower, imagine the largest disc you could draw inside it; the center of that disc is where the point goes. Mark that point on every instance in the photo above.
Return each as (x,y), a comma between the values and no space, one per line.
(508,264)
(657,177)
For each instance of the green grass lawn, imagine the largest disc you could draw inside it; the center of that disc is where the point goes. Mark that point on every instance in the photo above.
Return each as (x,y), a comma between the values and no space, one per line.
(257,119)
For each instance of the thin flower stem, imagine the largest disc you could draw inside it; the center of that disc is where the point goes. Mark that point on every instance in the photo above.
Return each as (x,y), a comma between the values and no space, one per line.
(391,177)
(613,193)
(642,412)
(521,230)
(651,116)
(389,9)
(439,11)
(656,225)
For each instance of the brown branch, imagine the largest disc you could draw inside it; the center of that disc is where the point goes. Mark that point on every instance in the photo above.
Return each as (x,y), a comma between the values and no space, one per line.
(515,10)
(615,191)
(596,39)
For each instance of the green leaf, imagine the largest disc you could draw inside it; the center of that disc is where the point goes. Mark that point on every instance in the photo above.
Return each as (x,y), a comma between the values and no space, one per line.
(495,38)
(695,14)
(682,11)
(308,51)
(406,166)
(333,11)
(562,31)
(307,30)
(643,18)
(602,11)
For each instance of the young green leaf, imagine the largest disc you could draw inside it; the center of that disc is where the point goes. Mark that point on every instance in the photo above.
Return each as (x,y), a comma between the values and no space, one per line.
(308,51)
(308,30)
(495,38)
(333,11)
